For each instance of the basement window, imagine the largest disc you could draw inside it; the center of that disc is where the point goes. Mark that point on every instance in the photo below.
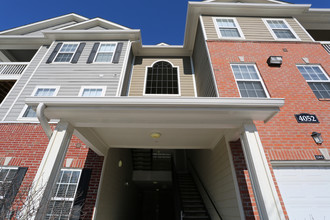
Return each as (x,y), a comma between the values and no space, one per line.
(249,81)
(280,29)
(317,79)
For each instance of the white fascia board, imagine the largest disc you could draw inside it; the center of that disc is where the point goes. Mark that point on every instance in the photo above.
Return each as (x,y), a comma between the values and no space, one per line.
(45,23)
(22,42)
(131,34)
(200,102)
(195,9)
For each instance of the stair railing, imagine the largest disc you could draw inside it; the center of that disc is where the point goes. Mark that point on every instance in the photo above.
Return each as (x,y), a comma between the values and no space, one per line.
(177,200)
(197,177)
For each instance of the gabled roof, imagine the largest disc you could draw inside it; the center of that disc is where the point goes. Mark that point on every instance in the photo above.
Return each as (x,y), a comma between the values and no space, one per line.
(250,1)
(95,23)
(45,24)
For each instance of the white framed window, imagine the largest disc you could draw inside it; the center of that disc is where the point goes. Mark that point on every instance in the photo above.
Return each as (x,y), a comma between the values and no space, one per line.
(66,52)
(280,29)
(162,78)
(228,28)
(248,81)
(7,175)
(317,79)
(105,53)
(92,91)
(63,195)
(28,112)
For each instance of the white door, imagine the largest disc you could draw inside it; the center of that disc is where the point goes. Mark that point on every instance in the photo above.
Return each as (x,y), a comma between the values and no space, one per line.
(305,191)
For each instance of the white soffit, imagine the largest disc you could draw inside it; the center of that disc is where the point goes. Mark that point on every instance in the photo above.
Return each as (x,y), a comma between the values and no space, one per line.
(127,122)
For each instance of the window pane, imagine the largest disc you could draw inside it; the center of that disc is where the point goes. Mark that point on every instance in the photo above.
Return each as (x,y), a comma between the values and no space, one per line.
(229,32)
(162,78)
(69,48)
(226,23)
(92,92)
(320,89)
(63,57)
(251,89)
(285,34)
(29,113)
(45,92)
(103,57)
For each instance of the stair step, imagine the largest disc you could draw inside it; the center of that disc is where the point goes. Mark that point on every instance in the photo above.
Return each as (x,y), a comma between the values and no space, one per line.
(196,217)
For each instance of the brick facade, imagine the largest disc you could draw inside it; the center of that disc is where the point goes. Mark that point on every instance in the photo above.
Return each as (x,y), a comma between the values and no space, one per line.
(26,143)
(282,137)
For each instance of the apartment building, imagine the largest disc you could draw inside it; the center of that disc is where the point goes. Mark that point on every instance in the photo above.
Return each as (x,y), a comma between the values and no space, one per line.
(233,124)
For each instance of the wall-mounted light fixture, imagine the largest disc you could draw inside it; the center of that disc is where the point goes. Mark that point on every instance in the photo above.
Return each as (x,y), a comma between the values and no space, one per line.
(275,61)
(317,137)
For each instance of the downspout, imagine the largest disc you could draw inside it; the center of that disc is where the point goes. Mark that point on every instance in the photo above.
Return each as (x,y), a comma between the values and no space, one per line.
(43,120)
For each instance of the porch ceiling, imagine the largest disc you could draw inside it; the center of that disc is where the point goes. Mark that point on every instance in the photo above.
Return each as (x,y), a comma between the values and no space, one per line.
(128,121)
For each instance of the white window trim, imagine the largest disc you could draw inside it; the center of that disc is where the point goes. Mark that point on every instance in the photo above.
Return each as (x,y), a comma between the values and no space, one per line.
(98,49)
(74,195)
(320,67)
(104,88)
(273,33)
(236,24)
(21,118)
(315,81)
(146,75)
(249,80)
(8,168)
(63,43)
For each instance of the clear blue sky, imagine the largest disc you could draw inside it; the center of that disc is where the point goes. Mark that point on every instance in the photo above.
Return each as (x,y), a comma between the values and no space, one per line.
(159,21)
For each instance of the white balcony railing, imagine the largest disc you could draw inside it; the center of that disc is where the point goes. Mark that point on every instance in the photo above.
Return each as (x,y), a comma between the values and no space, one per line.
(326,45)
(12,71)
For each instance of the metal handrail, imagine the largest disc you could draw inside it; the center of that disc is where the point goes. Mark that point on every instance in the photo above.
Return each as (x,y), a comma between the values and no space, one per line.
(177,200)
(204,188)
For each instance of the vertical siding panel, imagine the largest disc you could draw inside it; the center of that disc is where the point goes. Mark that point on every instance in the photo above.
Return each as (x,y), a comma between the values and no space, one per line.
(203,72)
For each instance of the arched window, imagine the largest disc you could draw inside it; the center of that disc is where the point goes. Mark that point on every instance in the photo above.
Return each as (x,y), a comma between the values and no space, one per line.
(162,78)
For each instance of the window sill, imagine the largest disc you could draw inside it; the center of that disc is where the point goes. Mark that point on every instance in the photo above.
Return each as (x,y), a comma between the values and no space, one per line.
(324,99)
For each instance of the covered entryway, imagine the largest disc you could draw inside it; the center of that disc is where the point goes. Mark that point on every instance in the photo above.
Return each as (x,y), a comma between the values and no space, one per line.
(113,126)
(305,191)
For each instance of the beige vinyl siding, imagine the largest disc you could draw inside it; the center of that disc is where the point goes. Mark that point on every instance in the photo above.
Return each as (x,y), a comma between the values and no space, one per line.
(71,77)
(253,28)
(205,85)
(214,169)
(139,73)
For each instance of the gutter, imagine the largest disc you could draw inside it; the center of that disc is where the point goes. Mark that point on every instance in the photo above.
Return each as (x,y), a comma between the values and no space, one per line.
(43,120)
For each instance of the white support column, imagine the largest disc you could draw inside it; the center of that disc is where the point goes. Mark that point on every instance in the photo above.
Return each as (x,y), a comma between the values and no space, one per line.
(267,199)
(50,167)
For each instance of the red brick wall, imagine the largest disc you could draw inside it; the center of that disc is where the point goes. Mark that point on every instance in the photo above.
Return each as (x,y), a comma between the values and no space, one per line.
(26,144)
(282,137)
